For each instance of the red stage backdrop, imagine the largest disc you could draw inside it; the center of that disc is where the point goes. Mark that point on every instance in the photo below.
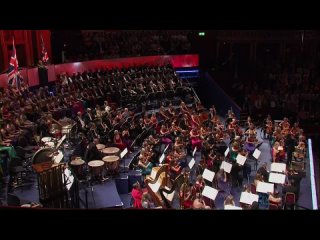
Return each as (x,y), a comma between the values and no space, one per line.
(178,61)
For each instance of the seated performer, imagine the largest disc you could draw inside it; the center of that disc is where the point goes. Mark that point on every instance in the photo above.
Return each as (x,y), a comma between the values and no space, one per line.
(195,139)
(117,140)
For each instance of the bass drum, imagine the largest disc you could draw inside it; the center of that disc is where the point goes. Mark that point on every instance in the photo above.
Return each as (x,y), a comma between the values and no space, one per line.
(42,155)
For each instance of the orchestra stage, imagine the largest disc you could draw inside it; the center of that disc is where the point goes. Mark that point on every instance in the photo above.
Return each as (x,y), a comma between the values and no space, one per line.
(115,192)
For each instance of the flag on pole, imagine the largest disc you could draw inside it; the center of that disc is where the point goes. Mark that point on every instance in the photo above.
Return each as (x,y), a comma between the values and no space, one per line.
(13,71)
(44,53)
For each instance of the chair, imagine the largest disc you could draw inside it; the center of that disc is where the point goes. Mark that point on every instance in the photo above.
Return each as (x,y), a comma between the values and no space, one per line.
(289,201)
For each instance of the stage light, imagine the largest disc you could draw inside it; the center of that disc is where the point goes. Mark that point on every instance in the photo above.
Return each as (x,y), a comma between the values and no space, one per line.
(201,34)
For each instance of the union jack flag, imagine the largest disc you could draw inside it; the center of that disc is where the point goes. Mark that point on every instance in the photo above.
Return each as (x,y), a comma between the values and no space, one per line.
(13,71)
(44,53)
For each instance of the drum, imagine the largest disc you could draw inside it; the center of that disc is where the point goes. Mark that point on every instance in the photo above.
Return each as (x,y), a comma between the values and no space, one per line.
(49,144)
(42,155)
(112,164)
(96,168)
(78,167)
(46,139)
(111,151)
(100,147)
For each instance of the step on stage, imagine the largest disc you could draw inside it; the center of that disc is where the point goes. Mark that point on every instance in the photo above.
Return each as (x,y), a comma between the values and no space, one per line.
(102,195)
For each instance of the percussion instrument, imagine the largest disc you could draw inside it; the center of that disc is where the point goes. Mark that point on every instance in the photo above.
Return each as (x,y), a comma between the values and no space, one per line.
(47,155)
(112,164)
(100,146)
(96,168)
(55,130)
(78,166)
(111,151)
(49,144)
(46,139)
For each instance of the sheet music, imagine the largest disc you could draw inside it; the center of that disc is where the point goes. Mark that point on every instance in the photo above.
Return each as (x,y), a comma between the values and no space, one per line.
(194,151)
(248,198)
(278,167)
(264,187)
(256,154)
(210,192)
(226,166)
(230,207)
(241,159)
(124,152)
(191,163)
(277,178)
(162,158)
(208,175)
(69,178)
(226,152)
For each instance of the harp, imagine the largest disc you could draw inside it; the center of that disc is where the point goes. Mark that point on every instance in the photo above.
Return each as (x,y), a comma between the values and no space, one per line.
(157,178)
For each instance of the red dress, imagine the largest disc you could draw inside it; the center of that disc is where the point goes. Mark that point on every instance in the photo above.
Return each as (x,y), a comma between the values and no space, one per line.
(137,197)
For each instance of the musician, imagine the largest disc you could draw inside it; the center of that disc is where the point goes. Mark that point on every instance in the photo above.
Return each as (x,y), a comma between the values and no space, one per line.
(184,109)
(126,139)
(199,203)
(171,110)
(223,182)
(277,153)
(154,120)
(81,124)
(195,139)
(250,144)
(117,140)
(174,168)
(275,199)
(93,132)
(144,163)
(89,116)
(136,194)
(263,171)
(186,196)
(99,112)
(300,151)
(106,106)
(147,201)
(229,201)
(165,135)
(162,114)
(199,185)
(92,151)
(195,120)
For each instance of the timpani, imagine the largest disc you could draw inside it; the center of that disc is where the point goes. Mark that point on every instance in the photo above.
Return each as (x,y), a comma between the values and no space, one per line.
(111,151)
(100,147)
(112,164)
(78,166)
(96,169)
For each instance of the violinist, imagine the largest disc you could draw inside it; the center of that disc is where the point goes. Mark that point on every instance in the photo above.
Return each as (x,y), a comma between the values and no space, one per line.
(195,139)
(165,135)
